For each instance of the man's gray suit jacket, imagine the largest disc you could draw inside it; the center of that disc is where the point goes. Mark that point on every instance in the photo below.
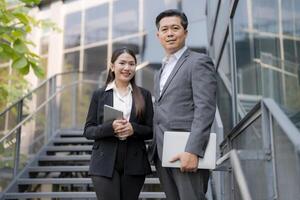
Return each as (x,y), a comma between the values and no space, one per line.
(186,103)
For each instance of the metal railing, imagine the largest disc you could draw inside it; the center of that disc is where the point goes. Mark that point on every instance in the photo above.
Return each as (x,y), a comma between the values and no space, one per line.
(27,125)
(267,146)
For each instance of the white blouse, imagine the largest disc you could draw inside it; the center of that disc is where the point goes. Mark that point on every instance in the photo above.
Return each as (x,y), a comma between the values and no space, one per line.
(121,102)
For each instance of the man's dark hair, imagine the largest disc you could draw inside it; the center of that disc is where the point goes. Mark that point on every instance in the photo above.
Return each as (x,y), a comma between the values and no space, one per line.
(170,13)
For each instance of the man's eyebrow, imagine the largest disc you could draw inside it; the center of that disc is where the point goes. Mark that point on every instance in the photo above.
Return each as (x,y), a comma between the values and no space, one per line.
(165,26)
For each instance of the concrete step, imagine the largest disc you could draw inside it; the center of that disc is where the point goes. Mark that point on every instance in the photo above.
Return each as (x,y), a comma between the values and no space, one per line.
(75,195)
(71,134)
(73,158)
(83,168)
(38,181)
(69,148)
(72,140)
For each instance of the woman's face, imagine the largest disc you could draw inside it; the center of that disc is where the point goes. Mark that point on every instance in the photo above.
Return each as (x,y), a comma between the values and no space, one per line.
(124,68)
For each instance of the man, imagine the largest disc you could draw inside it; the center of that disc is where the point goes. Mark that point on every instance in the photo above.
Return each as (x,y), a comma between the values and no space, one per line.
(185,100)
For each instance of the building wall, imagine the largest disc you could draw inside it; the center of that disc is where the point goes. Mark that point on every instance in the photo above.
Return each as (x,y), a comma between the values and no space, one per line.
(256,48)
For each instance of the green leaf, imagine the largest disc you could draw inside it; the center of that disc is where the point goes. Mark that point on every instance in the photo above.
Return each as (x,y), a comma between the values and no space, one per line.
(4,56)
(5,29)
(28,29)
(20,63)
(33,55)
(7,49)
(22,18)
(20,47)
(38,71)
(29,42)
(24,70)
(31,2)
(18,33)
(7,38)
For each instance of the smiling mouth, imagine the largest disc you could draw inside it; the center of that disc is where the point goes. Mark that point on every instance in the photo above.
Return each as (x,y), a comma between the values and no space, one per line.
(126,74)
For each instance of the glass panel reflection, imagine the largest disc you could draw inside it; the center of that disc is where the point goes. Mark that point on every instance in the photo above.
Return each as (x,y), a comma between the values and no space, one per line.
(265,68)
(83,102)
(251,141)
(44,45)
(7,158)
(96,24)
(291,17)
(72,30)
(125,18)
(265,15)
(95,60)
(224,102)
(132,43)
(287,165)
(71,61)
(32,137)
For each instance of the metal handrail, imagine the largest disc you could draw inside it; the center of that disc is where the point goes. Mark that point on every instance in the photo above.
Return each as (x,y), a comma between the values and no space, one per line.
(284,122)
(42,105)
(35,89)
(270,114)
(232,155)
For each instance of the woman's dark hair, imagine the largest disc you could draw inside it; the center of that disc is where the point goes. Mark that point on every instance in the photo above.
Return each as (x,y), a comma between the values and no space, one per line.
(171,13)
(137,96)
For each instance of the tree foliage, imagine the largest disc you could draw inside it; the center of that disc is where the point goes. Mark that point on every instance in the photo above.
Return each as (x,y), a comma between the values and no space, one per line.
(15,25)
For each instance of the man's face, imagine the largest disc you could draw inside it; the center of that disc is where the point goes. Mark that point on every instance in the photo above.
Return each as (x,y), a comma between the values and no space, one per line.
(171,34)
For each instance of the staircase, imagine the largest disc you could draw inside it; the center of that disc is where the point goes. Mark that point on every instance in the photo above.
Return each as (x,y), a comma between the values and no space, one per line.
(61,171)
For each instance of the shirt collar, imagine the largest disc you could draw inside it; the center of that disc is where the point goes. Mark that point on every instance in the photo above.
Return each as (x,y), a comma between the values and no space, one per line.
(112,86)
(175,55)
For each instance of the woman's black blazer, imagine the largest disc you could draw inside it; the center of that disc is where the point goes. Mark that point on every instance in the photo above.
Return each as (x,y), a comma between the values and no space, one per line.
(105,143)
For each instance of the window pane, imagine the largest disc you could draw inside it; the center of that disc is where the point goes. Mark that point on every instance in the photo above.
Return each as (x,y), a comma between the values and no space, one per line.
(71,62)
(265,15)
(224,102)
(287,165)
(132,43)
(96,24)
(72,30)
(44,45)
(291,17)
(95,60)
(262,70)
(125,18)
(224,99)
(248,68)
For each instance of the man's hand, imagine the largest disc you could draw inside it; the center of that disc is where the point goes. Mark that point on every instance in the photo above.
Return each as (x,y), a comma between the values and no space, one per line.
(189,161)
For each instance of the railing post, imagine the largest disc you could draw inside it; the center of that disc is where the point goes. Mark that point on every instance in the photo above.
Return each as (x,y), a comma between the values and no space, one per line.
(74,100)
(55,113)
(18,138)
(267,134)
(51,123)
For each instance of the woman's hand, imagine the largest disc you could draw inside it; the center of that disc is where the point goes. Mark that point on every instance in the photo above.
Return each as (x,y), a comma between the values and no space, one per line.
(122,128)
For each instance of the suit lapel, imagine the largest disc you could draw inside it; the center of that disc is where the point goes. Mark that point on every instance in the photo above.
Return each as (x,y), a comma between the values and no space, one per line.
(180,62)
(157,81)
(108,98)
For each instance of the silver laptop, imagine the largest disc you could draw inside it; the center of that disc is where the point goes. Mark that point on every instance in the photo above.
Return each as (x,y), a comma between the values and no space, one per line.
(175,142)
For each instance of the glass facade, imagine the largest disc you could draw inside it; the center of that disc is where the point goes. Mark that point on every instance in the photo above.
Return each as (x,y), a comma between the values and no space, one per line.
(265,55)
(72,30)
(255,45)
(96,24)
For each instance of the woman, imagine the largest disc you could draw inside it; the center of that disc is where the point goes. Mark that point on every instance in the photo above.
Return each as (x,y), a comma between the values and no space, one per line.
(119,161)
